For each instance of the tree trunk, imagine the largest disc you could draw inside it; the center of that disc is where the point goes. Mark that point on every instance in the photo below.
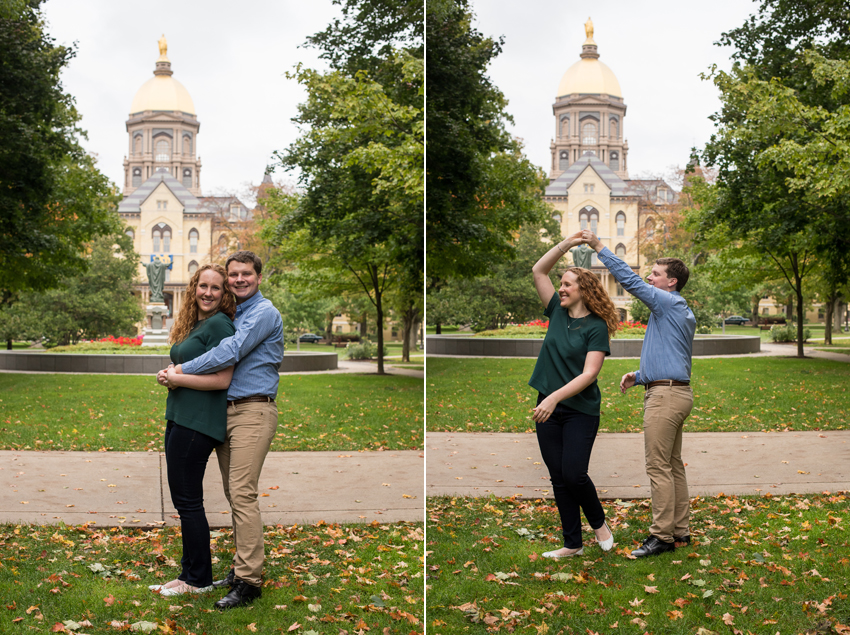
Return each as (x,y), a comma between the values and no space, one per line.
(755,313)
(800,315)
(828,315)
(439,329)
(408,322)
(363,326)
(8,345)
(379,305)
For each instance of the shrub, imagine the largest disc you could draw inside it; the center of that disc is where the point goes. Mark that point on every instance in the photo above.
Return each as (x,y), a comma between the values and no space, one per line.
(704,330)
(362,350)
(787,333)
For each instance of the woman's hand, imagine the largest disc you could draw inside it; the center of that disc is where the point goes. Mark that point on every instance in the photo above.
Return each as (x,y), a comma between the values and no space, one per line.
(171,376)
(543,411)
(162,377)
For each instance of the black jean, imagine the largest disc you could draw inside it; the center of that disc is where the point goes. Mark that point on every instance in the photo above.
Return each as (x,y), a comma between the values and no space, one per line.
(186,454)
(566,441)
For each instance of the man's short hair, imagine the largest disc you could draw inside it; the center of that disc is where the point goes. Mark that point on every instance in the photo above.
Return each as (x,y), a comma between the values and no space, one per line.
(676,269)
(248,258)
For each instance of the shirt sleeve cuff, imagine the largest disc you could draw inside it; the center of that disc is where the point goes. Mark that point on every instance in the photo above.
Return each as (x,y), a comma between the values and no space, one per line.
(638,377)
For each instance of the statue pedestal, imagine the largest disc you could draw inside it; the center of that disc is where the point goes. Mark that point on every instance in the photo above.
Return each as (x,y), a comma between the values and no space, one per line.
(156,334)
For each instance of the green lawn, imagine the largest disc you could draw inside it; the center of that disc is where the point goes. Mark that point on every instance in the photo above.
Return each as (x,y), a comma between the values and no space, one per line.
(125,413)
(730,394)
(835,349)
(757,565)
(318,579)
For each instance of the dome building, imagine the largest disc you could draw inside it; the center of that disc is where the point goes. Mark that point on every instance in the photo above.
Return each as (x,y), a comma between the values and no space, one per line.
(165,213)
(589,184)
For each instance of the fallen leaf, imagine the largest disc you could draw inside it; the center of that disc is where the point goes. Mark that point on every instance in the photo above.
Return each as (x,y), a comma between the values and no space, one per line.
(650,589)
(252,627)
(728,619)
(675,615)
(110,600)
(295,626)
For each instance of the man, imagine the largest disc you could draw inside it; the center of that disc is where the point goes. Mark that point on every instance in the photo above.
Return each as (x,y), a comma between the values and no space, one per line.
(665,374)
(257,351)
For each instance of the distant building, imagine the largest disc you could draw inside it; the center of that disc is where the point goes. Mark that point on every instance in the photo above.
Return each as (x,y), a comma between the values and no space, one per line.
(589,180)
(163,208)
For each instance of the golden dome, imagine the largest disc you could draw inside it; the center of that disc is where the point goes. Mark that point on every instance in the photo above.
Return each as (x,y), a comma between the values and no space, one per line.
(162,92)
(589,76)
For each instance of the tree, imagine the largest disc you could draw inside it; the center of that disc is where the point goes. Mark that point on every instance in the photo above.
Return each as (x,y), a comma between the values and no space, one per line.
(756,197)
(52,197)
(481,188)
(91,304)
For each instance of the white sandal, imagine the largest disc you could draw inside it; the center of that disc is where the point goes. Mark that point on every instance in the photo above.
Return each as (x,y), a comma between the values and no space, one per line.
(607,544)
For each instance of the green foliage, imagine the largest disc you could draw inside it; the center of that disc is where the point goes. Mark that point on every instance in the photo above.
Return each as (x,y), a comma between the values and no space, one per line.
(481,188)
(730,395)
(788,333)
(52,197)
(364,349)
(638,311)
(91,304)
(504,294)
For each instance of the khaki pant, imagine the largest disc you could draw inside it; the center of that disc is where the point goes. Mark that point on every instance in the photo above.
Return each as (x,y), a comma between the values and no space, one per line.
(250,431)
(665,409)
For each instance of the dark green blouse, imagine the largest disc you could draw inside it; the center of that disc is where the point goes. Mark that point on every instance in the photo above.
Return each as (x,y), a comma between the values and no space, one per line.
(565,348)
(201,410)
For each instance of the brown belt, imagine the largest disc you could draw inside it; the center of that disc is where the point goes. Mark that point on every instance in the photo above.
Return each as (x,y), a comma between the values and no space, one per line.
(666,382)
(254,399)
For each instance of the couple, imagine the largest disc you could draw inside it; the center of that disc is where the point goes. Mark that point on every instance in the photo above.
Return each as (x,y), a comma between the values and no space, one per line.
(227,349)
(582,320)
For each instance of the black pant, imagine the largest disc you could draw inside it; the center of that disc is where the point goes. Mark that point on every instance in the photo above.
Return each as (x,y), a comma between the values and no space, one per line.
(186,454)
(566,441)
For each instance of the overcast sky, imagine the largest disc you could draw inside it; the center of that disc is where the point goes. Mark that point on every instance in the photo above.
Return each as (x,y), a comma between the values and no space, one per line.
(656,49)
(231,57)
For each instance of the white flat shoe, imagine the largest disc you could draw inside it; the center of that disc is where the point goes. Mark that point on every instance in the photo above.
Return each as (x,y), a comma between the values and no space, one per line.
(182,589)
(606,545)
(556,556)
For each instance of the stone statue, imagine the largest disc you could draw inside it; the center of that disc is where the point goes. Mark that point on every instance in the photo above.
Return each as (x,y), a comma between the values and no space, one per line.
(588,29)
(163,46)
(582,256)
(156,278)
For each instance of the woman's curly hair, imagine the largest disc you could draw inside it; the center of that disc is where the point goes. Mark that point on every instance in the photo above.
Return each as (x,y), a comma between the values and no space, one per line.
(595,298)
(188,315)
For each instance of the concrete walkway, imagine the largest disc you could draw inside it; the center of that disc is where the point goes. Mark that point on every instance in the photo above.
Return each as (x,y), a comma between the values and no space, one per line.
(131,488)
(481,464)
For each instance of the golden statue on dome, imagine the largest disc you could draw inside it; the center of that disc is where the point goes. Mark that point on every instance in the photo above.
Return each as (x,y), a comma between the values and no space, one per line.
(163,48)
(588,30)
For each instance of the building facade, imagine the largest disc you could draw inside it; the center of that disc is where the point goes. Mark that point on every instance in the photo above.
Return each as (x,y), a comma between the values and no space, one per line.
(163,209)
(589,185)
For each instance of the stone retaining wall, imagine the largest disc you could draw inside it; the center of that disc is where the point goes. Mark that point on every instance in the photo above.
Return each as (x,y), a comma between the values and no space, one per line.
(138,364)
(507,347)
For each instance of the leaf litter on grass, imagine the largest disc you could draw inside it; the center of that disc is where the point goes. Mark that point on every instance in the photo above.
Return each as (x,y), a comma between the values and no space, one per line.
(322,576)
(774,561)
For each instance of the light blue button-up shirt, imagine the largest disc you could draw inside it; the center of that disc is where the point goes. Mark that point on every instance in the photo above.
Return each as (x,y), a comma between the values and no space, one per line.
(668,344)
(256,349)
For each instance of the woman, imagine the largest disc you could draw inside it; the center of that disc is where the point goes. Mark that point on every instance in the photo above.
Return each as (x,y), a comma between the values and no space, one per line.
(196,412)
(582,319)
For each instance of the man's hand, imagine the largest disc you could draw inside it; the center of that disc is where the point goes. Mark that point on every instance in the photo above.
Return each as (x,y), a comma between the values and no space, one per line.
(627,382)
(590,238)
(544,410)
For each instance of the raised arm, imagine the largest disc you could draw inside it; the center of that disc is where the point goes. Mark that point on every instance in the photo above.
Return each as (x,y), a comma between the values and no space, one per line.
(541,269)
(655,299)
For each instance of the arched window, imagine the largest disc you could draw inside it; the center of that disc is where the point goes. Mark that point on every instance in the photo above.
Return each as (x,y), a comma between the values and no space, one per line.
(650,227)
(614,161)
(620,250)
(163,151)
(187,146)
(137,144)
(590,218)
(621,224)
(222,245)
(137,177)
(193,267)
(563,160)
(131,234)
(166,241)
(187,178)
(588,134)
(157,240)
(193,241)
(565,127)
(614,129)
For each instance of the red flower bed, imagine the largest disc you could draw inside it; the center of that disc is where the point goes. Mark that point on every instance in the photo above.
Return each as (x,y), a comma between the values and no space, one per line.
(123,341)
